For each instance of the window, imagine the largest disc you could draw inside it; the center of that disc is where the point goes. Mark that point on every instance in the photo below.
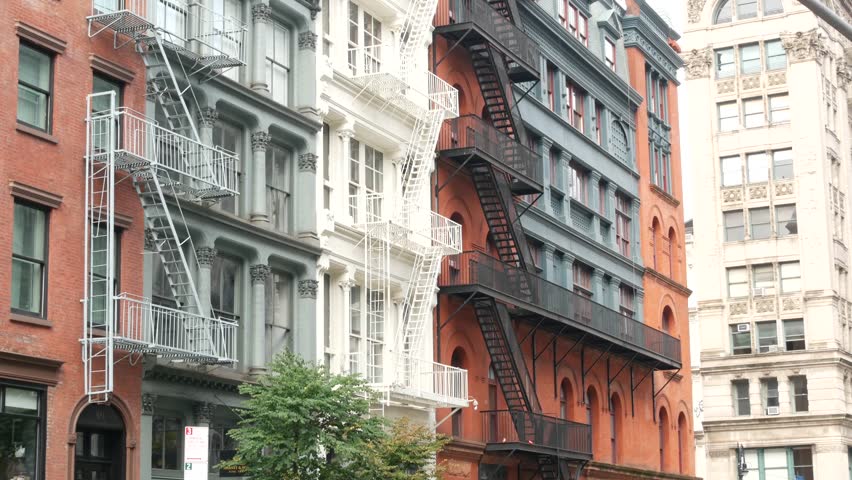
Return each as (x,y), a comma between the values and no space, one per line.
(794,334)
(599,123)
(791,280)
(763,279)
(758,167)
(229,136)
(166,441)
(582,279)
(742,404)
(776,56)
(725,66)
(609,54)
(278,62)
(753,115)
(779,109)
(663,99)
(760,226)
(226,40)
(579,185)
(365,41)
(564,399)
(723,13)
(771,7)
(746,9)
(779,463)
(732,171)
(740,339)
(785,220)
(326,162)
(102,84)
(223,287)
(355,332)
(574,106)
(626,295)
(803,465)
(366,181)
(576,23)
(660,167)
(278,186)
(623,213)
(767,336)
(35,87)
(737,282)
(782,164)
(29,259)
(734,226)
(279,312)
(22,416)
(799,390)
(750,58)
(551,86)
(728,116)
(769,393)
(99,280)
(555,169)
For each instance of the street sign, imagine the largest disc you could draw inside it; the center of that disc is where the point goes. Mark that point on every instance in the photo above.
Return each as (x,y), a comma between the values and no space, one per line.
(196,451)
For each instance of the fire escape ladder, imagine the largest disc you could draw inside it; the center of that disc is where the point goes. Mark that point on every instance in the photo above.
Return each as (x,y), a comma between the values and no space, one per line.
(418,21)
(508,9)
(419,300)
(491,72)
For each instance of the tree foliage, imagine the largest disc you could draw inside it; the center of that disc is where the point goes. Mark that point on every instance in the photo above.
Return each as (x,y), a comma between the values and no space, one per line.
(301,422)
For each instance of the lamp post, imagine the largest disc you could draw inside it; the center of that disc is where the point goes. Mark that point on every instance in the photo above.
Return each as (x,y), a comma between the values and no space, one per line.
(742,467)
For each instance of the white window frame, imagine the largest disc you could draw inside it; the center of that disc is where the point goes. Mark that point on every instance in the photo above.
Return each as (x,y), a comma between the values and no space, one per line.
(277,59)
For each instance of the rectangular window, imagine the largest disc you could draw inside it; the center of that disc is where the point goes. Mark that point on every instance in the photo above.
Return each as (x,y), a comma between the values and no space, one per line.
(599,123)
(803,465)
(626,304)
(662,112)
(278,186)
(229,136)
(767,336)
(356,332)
(763,279)
(366,181)
(794,334)
(769,393)
(753,115)
(579,185)
(791,277)
(22,417)
(279,312)
(740,339)
(278,62)
(779,464)
(582,279)
(365,41)
(771,7)
(750,58)
(101,103)
(737,282)
(734,226)
(551,86)
(776,56)
(725,66)
(223,287)
(99,276)
(555,168)
(729,116)
(609,54)
(799,390)
(732,171)
(785,220)
(35,87)
(166,442)
(575,105)
(779,109)
(623,214)
(29,259)
(758,167)
(760,226)
(742,403)
(746,9)
(782,164)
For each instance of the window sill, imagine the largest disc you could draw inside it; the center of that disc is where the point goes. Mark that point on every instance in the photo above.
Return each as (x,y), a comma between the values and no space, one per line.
(28,319)
(37,133)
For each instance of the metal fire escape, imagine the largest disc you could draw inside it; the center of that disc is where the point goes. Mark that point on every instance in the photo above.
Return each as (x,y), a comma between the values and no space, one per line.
(401,83)
(171,36)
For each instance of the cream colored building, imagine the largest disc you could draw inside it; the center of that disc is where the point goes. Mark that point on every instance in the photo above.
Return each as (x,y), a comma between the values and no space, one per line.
(769,143)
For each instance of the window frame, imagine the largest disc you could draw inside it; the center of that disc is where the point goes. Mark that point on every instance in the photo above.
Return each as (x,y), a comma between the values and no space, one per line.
(225,126)
(725,69)
(219,310)
(574,96)
(795,337)
(782,164)
(771,111)
(722,120)
(740,396)
(773,334)
(755,65)
(274,186)
(780,221)
(269,63)
(609,49)
(799,392)
(179,444)
(728,228)
(769,394)
(41,418)
(768,57)
(764,223)
(735,334)
(44,263)
(51,87)
(579,184)
(763,269)
(782,278)
(758,116)
(744,283)
(623,224)
(739,170)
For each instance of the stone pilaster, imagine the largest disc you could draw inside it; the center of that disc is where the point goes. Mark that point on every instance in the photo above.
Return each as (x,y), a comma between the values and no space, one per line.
(259,145)
(205,257)
(259,273)
(261,15)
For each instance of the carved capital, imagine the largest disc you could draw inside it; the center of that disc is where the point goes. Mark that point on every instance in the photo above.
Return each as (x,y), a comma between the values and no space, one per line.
(205,256)
(346,134)
(844,73)
(698,62)
(308,162)
(308,41)
(261,13)
(148,400)
(347,284)
(260,141)
(203,412)
(308,288)
(207,117)
(259,273)
(693,10)
(804,46)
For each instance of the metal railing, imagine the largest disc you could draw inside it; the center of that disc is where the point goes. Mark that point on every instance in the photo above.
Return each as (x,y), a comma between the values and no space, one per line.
(169,331)
(479,269)
(445,233)
(470,131)
(142,140)
(366,208)
(489,20)
(525,428)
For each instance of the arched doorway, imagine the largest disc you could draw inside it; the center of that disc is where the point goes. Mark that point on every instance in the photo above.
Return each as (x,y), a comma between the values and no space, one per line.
(99,450)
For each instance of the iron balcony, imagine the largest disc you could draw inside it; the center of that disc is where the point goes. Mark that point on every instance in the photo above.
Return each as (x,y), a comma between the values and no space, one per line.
(470,138)
(522,431)
(572,314)
(474,22)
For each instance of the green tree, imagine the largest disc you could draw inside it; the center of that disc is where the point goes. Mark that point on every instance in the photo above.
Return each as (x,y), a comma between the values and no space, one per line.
(301,422)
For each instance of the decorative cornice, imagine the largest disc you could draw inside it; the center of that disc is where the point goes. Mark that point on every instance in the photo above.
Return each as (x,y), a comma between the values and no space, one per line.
(308,288)
(804,46)
(148,400)
(260,141)
(111,69)
(259,273)
(308,162)
(694,9)
(261,13)
(671,283)
(192,379)
(35,195)
(640,32)
(308,41)
(40,38)
(698,62)
(207,117)
(205,256)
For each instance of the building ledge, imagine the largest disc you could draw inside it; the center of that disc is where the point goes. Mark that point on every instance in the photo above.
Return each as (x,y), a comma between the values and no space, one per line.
(29,369)
(608,471)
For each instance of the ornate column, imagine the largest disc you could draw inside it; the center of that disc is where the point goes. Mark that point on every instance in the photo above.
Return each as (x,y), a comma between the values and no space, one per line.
(261,15)
(259,144)
(305,204)
(206,121)
(259,274)
(568,266)
(305,338)
(146,433)
(203,413)
(306,73)
(549,270)
(595,203)
(345,133)
(205,256)
(615,293)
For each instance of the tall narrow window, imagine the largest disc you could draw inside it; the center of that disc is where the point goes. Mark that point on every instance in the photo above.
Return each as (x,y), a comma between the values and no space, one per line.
(278,186)
(785,220)
(782,164)
(579,185)
(753,115)
(623,215)
(166,442)
(564,399)
(365,41)
(740,339)
(555,169)
(663,424)
(725,65)
(99,274)
(760,226)
(278,62)
(626,295)
(799,390)
(223,287)
(769,394)
(22,421)
(763,279)
(599,123)
(737,282)
(29,259)
(35,87)
(758,167)
(227,14)
(575,106)
(728,116)
(734,226)
(776,56)
(750,58)
(228,136)
(356,331)
(791,277)
(551,86)
(732,171)
(779,109)
(279,312)
(609,54)
(742,403)
(767,336)
(456,361)
(794,334)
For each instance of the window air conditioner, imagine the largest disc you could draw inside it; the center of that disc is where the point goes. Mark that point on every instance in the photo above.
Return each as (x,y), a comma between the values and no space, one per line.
(743,327)
(772,349)
(773,411)
(758,292)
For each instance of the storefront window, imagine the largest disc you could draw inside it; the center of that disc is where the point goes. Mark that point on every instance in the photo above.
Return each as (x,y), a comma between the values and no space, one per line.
(21,433)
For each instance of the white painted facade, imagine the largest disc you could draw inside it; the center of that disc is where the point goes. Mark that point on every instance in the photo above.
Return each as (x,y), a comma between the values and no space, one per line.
(761,278)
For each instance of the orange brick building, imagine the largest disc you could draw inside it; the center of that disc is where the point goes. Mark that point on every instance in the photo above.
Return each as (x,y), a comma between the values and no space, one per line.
(44,412)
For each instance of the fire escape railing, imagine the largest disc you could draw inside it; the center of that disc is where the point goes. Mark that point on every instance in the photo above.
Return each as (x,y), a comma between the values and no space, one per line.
(536,430)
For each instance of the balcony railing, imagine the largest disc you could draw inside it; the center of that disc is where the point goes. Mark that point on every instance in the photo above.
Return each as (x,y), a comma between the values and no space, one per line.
(470,131)
(528,291)
(503,33)
(136,141)
(517,429)
(145,326)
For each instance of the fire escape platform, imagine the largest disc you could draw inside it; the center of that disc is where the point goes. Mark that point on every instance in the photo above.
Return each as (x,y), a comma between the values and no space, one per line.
(539,435)
(469,140)
(558,309)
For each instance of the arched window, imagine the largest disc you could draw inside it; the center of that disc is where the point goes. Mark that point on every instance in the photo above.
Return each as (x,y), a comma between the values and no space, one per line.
(618,145)
(615,419)
(663,423)
(724,12)
(655,230)
(671,246)
(668,321)
(457,360)
(566,398)
(681,441)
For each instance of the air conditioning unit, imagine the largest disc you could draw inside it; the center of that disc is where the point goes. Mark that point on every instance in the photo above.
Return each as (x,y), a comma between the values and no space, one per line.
(773,411)
(758,292)
(743,327)
(773,349)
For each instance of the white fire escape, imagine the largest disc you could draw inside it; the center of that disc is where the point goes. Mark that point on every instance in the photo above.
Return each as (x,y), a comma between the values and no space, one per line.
(160,161)
(391,75)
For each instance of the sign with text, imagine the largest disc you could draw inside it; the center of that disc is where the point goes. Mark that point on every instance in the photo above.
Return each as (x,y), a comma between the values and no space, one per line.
(232,470)
(196,451)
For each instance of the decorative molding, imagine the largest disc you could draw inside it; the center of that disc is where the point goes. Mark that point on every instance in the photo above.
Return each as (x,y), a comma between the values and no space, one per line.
(34,195)
(844,73)
(732,195)
(203,412)
(346,134)
(308,288)
(308,162)
(207,117)
(15,366)
(739,308)
(698,62)
(260,141)
(764,305)
(790,304)
(783,188)
(774,79)
(751,82)
(261,13)
(40,38)
(308,41)
(804,46)
(259,273)
(347,285)
(719,453)
(148,400)
(694,8)
(205,256)
(111,69)
(757,192)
